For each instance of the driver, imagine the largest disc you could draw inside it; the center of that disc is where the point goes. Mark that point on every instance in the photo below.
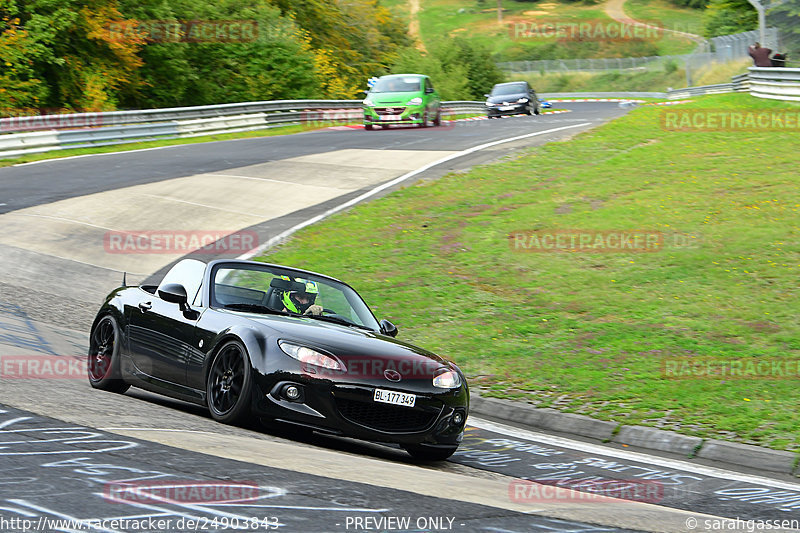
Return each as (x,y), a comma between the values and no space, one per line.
(302,302)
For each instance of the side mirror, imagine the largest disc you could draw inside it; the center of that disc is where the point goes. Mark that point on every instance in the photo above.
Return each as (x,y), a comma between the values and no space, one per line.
(387,328)
(487,95)
(174,293)
(429,90)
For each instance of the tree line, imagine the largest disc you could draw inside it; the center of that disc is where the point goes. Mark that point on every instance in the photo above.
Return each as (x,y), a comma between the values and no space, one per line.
(97,55)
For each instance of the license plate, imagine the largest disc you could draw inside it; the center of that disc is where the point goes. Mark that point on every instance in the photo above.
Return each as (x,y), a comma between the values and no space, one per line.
(390,117)
(507,107)
(395,398)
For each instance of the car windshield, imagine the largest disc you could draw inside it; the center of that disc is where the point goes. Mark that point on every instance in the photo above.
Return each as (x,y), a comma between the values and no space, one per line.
(401,84)
(265,289)
(515,88)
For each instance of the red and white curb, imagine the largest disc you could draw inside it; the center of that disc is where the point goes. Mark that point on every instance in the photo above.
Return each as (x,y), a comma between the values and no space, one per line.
(673,103)
(566,101)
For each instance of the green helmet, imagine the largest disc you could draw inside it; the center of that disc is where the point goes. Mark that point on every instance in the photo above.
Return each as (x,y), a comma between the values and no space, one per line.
(292,299)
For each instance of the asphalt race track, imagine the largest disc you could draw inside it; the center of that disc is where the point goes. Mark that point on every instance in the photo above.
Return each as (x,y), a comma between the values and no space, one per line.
(65,448)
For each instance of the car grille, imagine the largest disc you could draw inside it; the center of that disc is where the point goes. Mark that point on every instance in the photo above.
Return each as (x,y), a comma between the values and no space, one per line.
(385,417)
(390,110)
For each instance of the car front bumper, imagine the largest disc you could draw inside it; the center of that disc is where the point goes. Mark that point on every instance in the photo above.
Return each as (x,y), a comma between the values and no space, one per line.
(511,109)
(397,115)
(348,409)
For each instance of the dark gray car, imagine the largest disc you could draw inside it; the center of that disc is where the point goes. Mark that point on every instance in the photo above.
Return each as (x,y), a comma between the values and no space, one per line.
(512,98)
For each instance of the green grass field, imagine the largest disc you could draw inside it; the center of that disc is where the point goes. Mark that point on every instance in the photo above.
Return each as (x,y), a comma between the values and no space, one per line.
(666,15)
(589,332)
(514,39)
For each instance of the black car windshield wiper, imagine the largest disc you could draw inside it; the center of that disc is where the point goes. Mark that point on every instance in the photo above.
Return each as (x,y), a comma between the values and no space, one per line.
(256,308)
(338,320)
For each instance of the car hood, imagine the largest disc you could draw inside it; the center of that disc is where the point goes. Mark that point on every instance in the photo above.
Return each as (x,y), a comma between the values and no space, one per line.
(349,343)
(392,99)
(506,98)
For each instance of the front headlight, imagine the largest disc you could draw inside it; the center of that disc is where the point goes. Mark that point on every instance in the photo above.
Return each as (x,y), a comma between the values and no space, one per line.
(309,356)
(522,101)
(447,379)
(369,103)
(490,104)
(415,101)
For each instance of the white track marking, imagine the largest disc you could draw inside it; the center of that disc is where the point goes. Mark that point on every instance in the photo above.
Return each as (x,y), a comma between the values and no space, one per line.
(60,219)
(586,447)
(13,420)
(72,260)
(205,206)
(252,178)
(80,522)
(283,235)
(93,155)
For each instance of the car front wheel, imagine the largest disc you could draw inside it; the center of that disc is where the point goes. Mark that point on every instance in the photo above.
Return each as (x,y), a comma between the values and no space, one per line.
(103,362)
(229,384)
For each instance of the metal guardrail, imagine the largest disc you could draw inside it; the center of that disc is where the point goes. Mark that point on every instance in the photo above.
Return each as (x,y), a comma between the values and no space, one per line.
(741,83)
(119,127)
(699,90)
(776,83)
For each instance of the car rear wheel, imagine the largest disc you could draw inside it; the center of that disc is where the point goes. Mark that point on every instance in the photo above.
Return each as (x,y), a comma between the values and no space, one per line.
(103,362)
(430,453)
(368,127)
(229,384)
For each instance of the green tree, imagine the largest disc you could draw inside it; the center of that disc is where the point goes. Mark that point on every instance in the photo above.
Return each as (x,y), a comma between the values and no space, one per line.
(459,68)
(449,80)
(353,40)
(724,17)
(84,65)
(20,88)
(786,17)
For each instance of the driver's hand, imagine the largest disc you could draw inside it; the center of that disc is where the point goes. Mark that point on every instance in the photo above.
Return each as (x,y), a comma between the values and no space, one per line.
(314,310)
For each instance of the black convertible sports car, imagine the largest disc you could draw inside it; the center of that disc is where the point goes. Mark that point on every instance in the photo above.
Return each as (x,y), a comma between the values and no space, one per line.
(252,339)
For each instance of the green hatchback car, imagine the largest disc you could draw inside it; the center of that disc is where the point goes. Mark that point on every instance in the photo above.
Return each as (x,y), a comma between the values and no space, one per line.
(402,99)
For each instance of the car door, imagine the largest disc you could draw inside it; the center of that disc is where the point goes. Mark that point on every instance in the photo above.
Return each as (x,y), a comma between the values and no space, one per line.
(161,337)
(432,98)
